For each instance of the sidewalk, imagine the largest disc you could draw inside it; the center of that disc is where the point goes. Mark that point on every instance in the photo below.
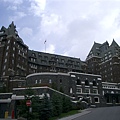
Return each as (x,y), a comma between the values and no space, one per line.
(83,112)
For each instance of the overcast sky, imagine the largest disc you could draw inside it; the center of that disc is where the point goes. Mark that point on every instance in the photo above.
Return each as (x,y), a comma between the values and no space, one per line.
(70,27)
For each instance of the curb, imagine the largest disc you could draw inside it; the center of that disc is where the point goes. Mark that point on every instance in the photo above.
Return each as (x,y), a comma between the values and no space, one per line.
(72,117)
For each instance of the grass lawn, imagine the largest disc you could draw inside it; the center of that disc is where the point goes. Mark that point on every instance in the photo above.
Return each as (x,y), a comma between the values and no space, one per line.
(66,114)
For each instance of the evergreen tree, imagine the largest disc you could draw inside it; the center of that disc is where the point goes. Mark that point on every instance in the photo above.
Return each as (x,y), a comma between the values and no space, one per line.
(24,110)
(56,105)
(54,86)
(45,108)
(67,104)
(61,89)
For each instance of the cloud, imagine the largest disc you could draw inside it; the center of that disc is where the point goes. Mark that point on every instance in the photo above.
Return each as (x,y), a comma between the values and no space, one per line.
(12,7)
(70,26)
(37,7)
(50,49)
(26,32)
(76,25)
(17,16)
(13,4)
(52,24)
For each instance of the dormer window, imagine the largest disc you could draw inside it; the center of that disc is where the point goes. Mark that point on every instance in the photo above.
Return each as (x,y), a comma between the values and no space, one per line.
(78,82)
(86,82)
(94,83)
(33,54)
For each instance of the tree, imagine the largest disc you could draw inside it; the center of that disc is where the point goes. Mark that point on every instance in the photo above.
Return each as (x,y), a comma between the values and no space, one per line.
(24,110)
(61,89)
(56,105)
(67,104)
(54,86)
(45,108)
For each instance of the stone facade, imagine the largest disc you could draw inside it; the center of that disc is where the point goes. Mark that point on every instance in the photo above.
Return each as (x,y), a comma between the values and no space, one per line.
(77,85)
(104,59)
(95,80)
(13,63)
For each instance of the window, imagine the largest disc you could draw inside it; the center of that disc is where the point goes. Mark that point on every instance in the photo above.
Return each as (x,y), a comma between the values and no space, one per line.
(4,67)
(79,90)
(78,82)
(86,82)
(7,47)
(95,91)
(5,60)
(96,99)
(87,90)
(71,90)
(105,58)
(33,54)
(45,57)
(8,41)
(36,81)
(19,84)
(3,73)
(12,61)
(110,55)
(94,83)
(6,53)
(13,48)
(50,81)
(39,81)
(60,80)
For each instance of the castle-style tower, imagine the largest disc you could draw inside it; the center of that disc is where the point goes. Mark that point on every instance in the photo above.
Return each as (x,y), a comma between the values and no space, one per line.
(104,59)
(13,58)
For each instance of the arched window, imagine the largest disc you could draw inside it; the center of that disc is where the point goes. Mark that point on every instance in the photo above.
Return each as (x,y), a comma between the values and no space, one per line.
(36,81)
(40,81)
(60,80)
(78,82)
(94,83)
(86,82)
(96,99)
(71,90)
(50,81)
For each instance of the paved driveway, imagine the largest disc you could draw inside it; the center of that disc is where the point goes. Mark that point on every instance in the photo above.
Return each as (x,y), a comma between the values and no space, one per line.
(106,113)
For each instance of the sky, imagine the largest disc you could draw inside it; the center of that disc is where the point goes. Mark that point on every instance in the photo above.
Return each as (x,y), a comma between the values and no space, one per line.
(69,27)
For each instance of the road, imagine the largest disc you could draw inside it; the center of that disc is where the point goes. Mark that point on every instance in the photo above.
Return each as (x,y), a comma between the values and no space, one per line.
(106,113)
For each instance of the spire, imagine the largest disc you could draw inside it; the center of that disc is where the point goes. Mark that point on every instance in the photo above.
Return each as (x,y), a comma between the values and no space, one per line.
(114,43)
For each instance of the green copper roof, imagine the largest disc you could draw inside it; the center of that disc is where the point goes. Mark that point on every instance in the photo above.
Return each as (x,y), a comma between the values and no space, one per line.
(11,30)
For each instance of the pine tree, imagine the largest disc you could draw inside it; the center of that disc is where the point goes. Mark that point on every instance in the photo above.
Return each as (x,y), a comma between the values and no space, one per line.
(24,110)
(67,104)
(45,108)
(56,105)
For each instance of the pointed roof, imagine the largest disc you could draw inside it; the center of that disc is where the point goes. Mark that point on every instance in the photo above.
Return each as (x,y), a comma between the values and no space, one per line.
(11,30)
(95,50)
(114,43)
